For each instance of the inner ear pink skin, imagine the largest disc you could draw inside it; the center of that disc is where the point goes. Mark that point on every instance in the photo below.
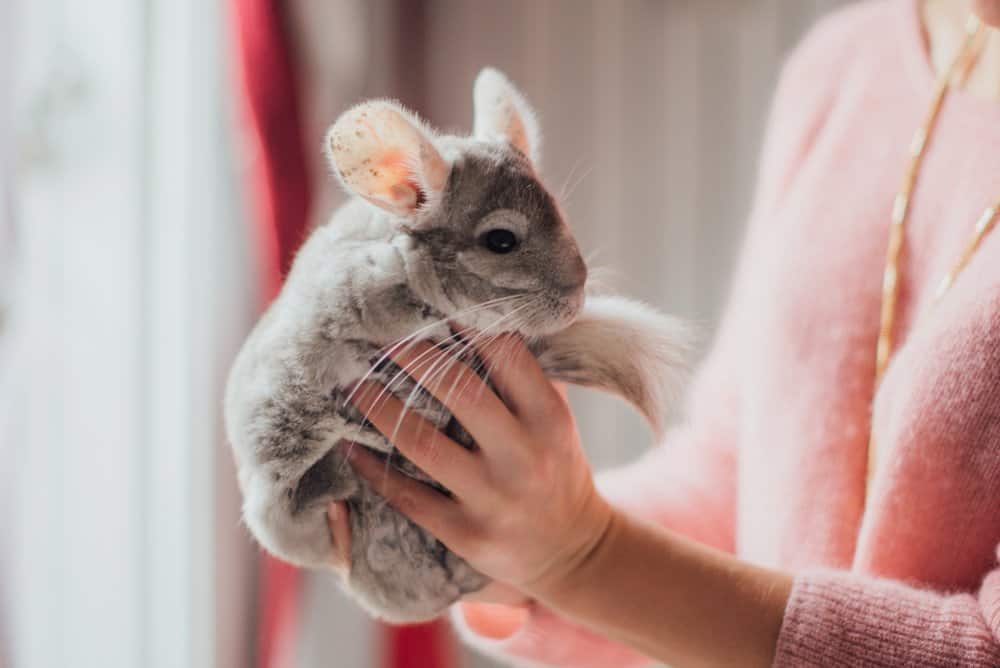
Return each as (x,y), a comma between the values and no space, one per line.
(394,183)
(385,155)
(397,183)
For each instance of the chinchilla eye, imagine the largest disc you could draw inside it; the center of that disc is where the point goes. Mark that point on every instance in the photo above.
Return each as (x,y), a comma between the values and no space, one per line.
(500,241)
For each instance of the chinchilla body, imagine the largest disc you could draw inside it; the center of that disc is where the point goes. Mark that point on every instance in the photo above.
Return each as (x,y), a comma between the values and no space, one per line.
(443,234)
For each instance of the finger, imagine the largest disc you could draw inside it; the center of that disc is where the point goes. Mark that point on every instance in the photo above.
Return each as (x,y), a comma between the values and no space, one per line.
(339,521)
(422,504)
(453,383)
(493,621)
(518,377)
(440,457)
(499,593)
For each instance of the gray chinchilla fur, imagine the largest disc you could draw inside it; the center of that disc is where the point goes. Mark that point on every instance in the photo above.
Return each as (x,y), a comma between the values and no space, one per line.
(442,232)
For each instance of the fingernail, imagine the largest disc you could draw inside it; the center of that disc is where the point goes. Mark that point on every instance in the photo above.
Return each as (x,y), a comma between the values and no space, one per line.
(333,511)
(493,621)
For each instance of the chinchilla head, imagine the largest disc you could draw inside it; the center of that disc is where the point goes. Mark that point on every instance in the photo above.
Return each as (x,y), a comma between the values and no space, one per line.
(478,217)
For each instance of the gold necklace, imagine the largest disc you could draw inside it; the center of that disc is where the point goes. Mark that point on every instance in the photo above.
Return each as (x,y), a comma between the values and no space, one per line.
(956,74)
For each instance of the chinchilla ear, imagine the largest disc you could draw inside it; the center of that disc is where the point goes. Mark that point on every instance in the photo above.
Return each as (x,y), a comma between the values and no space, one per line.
(384,153)
(502,113)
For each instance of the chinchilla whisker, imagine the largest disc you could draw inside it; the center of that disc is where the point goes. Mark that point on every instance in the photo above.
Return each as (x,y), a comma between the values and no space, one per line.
(403,345)
(465,345)
(410,369)
(516,326)
(484,338)
(569,195)
(478,365)
(569,178)
(454,340)
(415,336)
(384,394)
(469,344)
(501,355)
(425,358)
(486,369)
(592,256)
(407,370)
(408,341)
(444,364)
(400,377)
(600,278)
(455,336)
(440,366)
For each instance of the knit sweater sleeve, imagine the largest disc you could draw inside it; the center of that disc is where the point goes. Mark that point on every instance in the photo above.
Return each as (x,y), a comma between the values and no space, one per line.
(841,619)
(688,484)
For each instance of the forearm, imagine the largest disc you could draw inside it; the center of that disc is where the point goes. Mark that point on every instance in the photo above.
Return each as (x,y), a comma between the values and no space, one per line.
(673,599)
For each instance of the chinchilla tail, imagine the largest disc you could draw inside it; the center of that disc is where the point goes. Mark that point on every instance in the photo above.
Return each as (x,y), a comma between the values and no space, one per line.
(626,348)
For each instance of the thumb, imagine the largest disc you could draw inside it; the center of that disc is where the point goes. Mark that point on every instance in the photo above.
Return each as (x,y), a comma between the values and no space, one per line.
(493,620)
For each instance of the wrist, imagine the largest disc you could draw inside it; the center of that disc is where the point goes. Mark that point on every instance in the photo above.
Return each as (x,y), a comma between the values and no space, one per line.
(578,566)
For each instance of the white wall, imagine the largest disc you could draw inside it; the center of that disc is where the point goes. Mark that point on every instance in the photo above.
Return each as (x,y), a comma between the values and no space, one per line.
(123,547)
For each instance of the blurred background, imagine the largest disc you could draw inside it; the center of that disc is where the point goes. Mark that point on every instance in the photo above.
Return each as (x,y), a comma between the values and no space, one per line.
(159,162)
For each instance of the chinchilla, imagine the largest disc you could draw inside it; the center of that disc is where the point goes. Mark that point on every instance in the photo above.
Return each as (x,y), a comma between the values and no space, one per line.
(442,232)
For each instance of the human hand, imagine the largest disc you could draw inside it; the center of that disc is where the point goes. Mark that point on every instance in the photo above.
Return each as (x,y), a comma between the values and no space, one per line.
(524,509)
(338,518)
(496,611)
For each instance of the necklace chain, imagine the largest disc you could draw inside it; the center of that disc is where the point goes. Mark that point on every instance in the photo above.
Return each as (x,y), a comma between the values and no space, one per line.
(955,75)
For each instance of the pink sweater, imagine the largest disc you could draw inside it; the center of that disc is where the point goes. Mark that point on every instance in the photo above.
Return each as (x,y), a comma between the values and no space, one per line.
(770,464)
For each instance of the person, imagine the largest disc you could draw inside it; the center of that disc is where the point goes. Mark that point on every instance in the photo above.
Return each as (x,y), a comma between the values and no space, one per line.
(763,532)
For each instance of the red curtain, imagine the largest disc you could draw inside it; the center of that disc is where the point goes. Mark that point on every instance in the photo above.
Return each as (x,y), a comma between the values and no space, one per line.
(281,188)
